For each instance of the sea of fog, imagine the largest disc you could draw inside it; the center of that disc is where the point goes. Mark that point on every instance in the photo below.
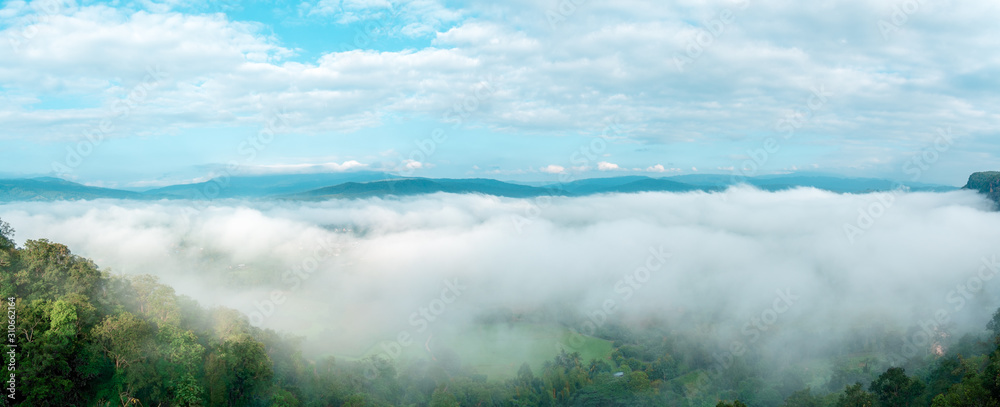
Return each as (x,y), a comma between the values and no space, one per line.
(792,270)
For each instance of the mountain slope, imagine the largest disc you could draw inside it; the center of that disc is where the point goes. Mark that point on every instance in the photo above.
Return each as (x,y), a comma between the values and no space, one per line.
(371,184)
(256,186)
(806,179)
(597,185)
(653,185)
(418,186)
(987,183)
(52,189)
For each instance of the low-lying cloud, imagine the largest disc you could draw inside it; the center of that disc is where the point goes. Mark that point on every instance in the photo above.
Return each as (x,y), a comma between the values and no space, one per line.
(744,265)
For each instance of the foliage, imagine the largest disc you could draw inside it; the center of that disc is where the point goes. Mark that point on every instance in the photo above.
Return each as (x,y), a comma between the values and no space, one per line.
(894,389)
(6,236)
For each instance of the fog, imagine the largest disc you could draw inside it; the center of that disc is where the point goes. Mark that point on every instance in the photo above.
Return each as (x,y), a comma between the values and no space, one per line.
(790,270)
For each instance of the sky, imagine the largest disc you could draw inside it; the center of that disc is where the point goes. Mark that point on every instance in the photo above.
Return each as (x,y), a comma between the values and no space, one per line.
(139,94)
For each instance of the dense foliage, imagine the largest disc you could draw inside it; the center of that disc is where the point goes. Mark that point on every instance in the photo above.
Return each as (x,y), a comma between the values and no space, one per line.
(987,183)
(89,338)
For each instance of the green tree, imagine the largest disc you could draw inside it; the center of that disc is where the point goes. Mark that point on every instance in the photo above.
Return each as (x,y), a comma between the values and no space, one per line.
(126,340)
(239,372)
(855,396)
(802,398)
(124,337)
(46,360)
(63,318)
(49,270)
(990,377)
(994,325)
(6,236)
(283,398)
(978,386)
(156,301)
(895,389)
(967,393)
(442,398)
(184,359)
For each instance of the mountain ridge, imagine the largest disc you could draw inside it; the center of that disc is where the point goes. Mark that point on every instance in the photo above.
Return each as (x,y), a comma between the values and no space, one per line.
(50,189)
(367,184)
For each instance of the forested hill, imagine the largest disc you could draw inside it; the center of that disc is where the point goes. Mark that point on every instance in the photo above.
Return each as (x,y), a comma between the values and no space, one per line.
(88,338)
(987,183)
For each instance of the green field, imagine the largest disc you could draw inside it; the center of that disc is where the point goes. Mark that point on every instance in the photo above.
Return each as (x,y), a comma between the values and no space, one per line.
(498,350)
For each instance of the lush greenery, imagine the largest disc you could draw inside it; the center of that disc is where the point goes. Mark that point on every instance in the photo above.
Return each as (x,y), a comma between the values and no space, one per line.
(987,183)
(89,338)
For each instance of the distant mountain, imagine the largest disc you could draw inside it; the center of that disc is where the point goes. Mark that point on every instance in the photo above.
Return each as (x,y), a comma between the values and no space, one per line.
(372,184)
(706,180)
(597,185)
(257,186)
(795,180)
(987,183)
(838,184)
(841,185)
(653,185)
(53,189)
(418,186)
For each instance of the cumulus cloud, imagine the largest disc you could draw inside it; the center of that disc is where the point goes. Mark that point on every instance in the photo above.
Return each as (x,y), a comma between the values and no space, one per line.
(210,71)
(553,169)
(354,271)
(661,168)
(222,70)
(606,166)
(410,18)
(414,165)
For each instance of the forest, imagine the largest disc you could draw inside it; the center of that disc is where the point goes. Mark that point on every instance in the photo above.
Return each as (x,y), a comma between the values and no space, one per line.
(80,336)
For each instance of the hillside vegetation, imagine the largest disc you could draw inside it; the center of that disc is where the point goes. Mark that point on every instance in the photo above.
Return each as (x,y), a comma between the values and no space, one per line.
(987,183)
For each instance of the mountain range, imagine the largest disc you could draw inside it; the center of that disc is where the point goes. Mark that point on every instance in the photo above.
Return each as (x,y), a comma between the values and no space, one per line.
(366,184)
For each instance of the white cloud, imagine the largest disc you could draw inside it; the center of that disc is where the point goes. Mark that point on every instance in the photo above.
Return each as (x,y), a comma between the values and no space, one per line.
(409,18)
(553,169)
(606,166)
(603,60)
(166,182)
(414,165)
(305,168)
(571,255)
(661,168)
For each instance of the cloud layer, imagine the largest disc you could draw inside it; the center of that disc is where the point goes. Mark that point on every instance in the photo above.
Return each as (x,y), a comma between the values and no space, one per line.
(719,71)
(351,273)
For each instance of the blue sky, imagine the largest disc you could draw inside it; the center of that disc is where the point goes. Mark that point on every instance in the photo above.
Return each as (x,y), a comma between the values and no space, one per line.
(148,93)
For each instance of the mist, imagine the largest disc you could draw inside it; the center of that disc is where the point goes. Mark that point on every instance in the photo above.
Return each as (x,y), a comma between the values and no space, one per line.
(787,273)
